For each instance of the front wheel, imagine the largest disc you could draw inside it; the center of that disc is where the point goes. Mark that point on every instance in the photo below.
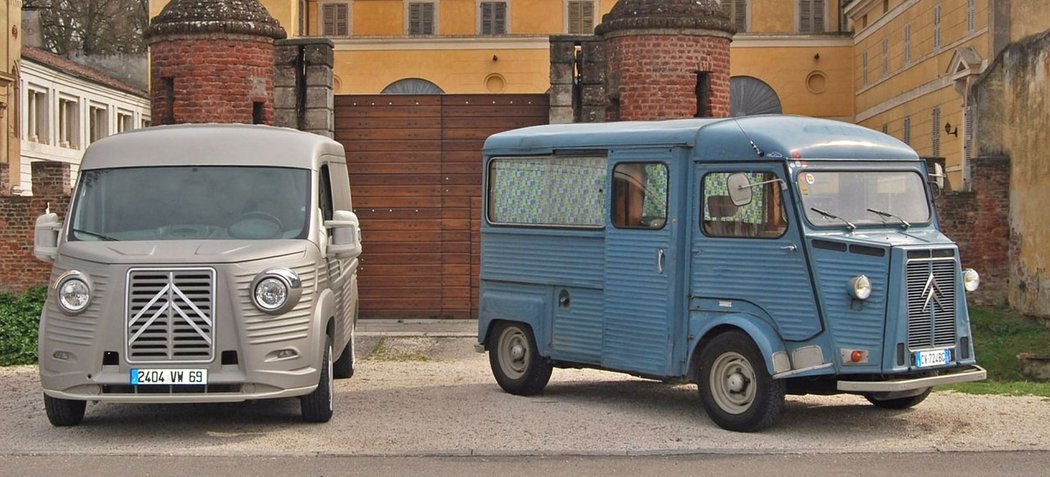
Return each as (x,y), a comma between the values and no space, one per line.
(899,403)
(737,392)
(317,406)
(515,361)
(64,412)
(344,366)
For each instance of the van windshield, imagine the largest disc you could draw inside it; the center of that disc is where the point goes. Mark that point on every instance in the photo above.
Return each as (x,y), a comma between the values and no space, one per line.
(858,198)
(191,202)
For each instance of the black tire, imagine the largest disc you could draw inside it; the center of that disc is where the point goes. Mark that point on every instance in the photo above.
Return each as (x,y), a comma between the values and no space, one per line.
(899,403)
(318,405)
(64,412)
(515,360)
(343,368)
(737,392)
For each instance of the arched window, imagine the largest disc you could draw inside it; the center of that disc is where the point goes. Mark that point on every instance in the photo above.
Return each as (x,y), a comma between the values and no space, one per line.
(412,86)
(750,96)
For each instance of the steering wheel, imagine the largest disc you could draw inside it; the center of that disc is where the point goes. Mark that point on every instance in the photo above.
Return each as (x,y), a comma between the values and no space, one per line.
(260,215)
(256,224)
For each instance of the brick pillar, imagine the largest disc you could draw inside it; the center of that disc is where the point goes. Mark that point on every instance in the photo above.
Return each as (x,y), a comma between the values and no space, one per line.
(563,79)
(303,95)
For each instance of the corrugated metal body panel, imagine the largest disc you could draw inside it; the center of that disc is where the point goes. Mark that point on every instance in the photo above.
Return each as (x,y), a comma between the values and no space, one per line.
(761,272)
(637,301)
(535,258)
(577,332)
(262,328)
(863,324)
(76,330)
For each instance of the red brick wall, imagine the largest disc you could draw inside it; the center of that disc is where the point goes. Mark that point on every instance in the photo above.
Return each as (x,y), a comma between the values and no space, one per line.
(19,270)
(654,76)
(979,221)
(216,79)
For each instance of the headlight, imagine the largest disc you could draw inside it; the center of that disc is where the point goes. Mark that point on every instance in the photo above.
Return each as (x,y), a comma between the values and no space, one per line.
(73,289)
(971,280)
(860,287)
(276,290)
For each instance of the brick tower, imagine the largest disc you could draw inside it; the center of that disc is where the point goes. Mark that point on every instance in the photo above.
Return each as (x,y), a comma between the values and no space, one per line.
(212,61)
(666,59)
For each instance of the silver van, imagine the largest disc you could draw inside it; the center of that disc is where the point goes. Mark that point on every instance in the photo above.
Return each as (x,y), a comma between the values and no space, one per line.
(201,263)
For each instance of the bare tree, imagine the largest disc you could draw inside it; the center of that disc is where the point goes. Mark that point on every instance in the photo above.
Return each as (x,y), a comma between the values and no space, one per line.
(93,26)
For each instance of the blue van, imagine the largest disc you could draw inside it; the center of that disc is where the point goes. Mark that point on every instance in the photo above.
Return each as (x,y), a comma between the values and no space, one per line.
(756,257)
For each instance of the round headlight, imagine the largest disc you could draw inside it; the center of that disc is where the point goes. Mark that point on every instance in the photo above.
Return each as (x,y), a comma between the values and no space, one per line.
(860,287)
(276,290)
(74,292)
(971,280)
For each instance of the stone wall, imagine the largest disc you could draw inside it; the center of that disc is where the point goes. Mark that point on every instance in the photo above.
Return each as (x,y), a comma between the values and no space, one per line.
(303,96)
(216,78)
(1013,97)
(19,270)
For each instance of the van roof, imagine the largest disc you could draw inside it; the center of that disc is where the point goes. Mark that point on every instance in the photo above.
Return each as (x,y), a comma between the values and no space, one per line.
(210,145)
(722,139)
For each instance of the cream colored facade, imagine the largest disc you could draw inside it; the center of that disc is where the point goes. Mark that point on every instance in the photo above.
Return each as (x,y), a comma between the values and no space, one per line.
(10,52)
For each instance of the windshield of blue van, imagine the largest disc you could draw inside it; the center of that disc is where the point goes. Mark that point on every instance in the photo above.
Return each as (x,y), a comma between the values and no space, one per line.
(185,203)
(859,198)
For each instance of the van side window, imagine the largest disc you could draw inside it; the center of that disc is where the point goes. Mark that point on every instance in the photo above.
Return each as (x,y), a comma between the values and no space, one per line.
(639,195)
(547,191)
(324,189)
(764,217)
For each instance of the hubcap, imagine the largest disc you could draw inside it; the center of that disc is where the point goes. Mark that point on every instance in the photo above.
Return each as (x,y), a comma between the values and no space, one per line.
(514,352)
(732,383)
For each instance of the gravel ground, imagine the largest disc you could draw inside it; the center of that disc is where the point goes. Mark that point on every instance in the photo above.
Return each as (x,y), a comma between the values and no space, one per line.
(436,396)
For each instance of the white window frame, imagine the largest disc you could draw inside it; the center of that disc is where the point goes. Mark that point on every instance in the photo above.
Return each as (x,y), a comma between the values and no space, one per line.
(97,121)
(69,129)
(321,17)
(798,17)
(478,18)
(567,27)
(145,122)
(38,114)
(408,17)
(125,121)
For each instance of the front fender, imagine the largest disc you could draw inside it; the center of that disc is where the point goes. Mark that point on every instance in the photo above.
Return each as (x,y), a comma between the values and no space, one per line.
(322,312)
(704,326)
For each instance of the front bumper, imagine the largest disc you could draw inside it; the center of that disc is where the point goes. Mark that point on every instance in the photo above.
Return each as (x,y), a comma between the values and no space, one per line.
(967,374)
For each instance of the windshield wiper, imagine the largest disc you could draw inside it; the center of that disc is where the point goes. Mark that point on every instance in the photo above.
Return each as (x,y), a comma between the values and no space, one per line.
(96,235)
(833,216)
(880,213)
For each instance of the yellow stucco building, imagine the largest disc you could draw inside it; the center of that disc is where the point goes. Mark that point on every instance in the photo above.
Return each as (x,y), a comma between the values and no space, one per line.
(10,52)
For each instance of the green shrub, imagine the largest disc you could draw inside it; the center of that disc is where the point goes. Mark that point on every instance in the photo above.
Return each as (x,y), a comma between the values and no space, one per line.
(19,321)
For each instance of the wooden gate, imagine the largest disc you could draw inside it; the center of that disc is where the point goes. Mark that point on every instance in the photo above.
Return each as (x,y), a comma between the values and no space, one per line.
(415,171)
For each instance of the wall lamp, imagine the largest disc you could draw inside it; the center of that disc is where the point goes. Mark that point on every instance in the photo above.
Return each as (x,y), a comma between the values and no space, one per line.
(948,129)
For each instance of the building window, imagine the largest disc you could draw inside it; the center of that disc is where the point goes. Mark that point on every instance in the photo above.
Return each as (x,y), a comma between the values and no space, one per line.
(885,57)
(936,28)
(36,104)
(124,122)
(971,15)
(703,94)
(421,18)
(580,15)
(302,18)
(736,10)
(864,67)
(335,19)
(811,16)
(907,44)
(98,123)
(493,18)
(145,123)
(907,130)
(68,123)
(935,134)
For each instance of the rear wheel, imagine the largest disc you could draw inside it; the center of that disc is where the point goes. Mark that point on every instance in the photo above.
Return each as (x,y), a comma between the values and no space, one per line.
(899,403)
(64,412)
(318,405)
(737,392)
(515,361)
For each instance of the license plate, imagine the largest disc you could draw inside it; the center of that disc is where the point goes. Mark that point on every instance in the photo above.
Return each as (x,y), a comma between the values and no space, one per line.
(169,376)
(937,357)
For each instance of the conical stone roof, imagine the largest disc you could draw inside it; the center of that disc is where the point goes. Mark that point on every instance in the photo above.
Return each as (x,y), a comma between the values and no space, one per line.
(665,14)
(244,17)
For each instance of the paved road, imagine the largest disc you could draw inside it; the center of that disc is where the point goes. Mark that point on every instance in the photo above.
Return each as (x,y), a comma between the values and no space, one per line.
(432,402)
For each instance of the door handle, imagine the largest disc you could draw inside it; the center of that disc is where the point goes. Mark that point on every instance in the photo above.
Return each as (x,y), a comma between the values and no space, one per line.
(660,261)
(790,248)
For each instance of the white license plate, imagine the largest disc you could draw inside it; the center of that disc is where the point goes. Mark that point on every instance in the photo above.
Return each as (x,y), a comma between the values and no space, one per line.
(169,376)
(937,357)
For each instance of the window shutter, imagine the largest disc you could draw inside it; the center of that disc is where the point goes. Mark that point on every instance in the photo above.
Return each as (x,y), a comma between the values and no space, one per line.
(818,16)
(587,17)
(740,12)
(428,18)
(328,15)
(500,22)
(575,17)
(935,133)
(804,16)
(486,18)
(414,19)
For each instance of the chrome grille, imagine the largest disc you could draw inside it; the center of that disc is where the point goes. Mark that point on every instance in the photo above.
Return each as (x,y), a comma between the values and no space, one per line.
(931,302)
(170,315)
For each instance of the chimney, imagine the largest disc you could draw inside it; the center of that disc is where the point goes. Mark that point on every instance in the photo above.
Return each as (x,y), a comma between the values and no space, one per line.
(31,32)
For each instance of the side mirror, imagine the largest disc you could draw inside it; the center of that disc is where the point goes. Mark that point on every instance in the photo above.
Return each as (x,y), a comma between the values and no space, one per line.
(739,189)
(346,234)
(45,240)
